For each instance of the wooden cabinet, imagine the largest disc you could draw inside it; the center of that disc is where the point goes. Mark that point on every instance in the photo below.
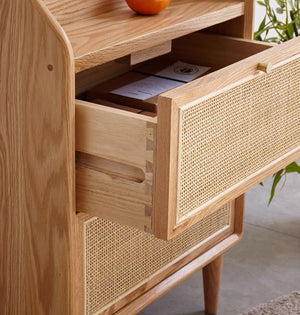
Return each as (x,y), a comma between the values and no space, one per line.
(102,209)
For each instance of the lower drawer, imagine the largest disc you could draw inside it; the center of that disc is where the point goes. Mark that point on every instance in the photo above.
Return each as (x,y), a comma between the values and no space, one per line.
(121,263)
(212,139)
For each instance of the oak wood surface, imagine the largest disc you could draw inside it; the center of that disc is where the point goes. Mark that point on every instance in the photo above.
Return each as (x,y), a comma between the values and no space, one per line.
(149,53)
(212,274)
(239,215)
(113,134)
(248,19)
(80,284)
(101,31)
(242,26)
(166,169)
(214,50)
(118,185)
(92,77)
(108,196)
(36,162)
(37,226)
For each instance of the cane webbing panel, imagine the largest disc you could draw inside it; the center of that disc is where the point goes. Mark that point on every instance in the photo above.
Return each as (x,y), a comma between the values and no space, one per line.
(120,257)
(232,135)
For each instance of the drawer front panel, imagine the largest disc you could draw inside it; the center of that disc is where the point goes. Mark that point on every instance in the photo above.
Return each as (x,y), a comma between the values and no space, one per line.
(222,134)
(228,137)
(120,258)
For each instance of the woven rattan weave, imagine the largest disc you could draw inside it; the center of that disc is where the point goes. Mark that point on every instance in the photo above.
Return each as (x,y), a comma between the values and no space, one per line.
(234,134)
(118,257)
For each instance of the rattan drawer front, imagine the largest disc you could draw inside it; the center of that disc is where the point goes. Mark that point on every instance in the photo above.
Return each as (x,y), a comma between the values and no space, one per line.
(223,141)
(120,259)
(232,135)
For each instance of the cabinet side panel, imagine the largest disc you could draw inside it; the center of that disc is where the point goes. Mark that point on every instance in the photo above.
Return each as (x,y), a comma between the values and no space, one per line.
(36,162)
(10,219)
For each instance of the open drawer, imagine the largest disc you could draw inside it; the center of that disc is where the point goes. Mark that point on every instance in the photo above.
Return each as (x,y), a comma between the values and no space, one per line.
(213,138)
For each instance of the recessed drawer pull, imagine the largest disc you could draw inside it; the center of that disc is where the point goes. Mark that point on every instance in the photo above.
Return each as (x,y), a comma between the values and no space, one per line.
(265,67)
(115,170)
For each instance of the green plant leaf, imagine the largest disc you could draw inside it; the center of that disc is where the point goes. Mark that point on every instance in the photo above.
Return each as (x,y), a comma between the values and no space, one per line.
(262,24)
(291,3)
(280,3)
(281,27)
(279,10)
(277,178)
(273,40)
(261,3)
(258,33)
(274,17)
(290,30)
(293,168)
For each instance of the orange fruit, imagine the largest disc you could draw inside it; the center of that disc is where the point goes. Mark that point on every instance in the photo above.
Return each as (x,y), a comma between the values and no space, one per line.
(147,7)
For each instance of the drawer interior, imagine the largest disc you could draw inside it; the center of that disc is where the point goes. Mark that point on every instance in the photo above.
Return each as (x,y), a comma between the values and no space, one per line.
(198,48)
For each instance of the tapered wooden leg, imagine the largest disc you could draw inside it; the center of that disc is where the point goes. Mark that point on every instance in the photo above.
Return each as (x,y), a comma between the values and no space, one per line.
(212,274)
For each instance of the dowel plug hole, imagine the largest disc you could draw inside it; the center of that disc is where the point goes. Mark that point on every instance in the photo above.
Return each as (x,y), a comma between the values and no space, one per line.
(50,67)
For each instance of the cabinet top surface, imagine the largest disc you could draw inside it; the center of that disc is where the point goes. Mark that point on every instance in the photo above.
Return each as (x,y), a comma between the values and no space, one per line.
(103,30)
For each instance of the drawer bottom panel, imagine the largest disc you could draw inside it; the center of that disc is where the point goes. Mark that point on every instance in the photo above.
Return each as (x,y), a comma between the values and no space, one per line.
(119,258)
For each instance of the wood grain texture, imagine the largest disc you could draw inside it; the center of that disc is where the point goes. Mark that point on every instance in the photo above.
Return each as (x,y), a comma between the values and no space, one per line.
(111,197)
(92,77)
(113,134)
(105,30)
(79,285)
(248,19)
(242,26)
(232,27)
(212,274)
(239,206)
(166,169)
(36,162)
(214,50)
(119,184)
(150,53)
